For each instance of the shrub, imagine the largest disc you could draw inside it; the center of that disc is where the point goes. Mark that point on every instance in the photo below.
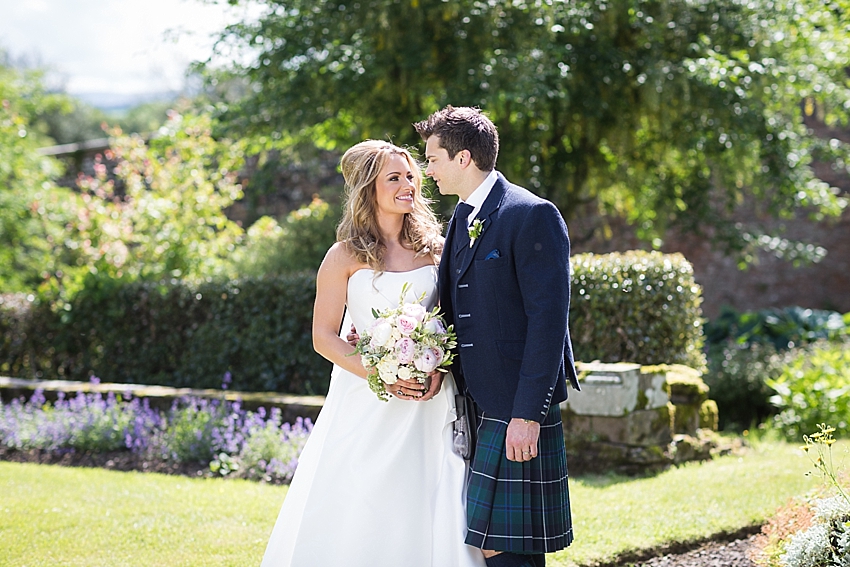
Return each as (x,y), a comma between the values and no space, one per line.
(813,388)
(298,244)
(745,350)
(86,422)
(783,328)
(190,428)
(270,450)
(175,334)
(737,377)
(641,307)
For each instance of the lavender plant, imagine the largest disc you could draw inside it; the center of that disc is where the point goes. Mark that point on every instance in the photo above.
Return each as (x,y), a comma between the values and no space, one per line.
(269,451)
(235,442)
(86,422)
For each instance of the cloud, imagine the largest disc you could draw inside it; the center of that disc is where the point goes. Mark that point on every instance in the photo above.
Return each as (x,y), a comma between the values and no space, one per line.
(121,46)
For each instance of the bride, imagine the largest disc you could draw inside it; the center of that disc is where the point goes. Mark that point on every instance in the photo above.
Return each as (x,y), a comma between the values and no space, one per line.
(377,484)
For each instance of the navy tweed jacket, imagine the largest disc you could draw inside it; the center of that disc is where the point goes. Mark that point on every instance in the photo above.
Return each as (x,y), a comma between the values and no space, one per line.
(508,296)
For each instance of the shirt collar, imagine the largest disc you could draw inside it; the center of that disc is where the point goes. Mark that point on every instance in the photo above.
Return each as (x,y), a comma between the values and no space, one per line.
(477,197)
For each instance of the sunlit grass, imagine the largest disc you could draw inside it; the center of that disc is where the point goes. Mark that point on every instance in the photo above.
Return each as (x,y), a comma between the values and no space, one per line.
(692,502)
(51,515)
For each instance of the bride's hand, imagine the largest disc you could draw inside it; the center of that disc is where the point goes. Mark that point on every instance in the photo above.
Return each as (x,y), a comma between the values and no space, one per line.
(406,389)
(436,383)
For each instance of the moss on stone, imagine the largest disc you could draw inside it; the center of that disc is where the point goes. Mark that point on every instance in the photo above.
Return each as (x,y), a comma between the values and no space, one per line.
(667,417)
(642,400)
(670,368)
(708,415)
(685,388)
(686,420)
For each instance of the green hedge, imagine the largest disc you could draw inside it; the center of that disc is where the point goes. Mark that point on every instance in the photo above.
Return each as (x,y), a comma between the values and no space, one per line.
(641,307)
(636,307)
(173,334)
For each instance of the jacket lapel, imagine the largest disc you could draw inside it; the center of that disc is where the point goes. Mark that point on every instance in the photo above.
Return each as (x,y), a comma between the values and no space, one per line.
(486,214)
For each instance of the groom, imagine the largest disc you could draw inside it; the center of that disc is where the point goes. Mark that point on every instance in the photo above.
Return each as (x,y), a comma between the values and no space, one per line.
(505,285)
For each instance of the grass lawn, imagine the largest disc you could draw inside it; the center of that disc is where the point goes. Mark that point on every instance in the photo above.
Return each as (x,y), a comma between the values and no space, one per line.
(51,515)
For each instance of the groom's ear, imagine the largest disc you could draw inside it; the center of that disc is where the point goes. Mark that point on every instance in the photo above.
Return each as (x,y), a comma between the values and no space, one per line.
(464,158)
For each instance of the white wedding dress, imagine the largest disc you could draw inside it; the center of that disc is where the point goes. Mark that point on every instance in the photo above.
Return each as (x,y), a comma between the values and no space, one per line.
(377,483)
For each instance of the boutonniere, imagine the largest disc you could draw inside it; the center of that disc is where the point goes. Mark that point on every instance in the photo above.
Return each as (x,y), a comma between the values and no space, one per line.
(475,230)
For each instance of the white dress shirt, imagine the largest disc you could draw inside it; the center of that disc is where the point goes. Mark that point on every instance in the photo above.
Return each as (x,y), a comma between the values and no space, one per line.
(477,197)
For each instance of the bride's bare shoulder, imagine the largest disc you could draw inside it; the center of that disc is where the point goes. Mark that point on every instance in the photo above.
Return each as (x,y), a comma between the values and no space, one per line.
(339,260)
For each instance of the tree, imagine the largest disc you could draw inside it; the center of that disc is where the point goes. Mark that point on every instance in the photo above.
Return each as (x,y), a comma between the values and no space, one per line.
(668,114)
(32,212)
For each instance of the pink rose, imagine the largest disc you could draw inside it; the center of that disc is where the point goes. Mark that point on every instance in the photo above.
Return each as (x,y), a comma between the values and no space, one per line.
(414,310)
(405,350)
(406,325)
(427,361)
(439,354)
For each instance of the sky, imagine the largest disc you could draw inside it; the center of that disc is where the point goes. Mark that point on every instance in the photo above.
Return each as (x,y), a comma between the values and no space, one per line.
(119,47)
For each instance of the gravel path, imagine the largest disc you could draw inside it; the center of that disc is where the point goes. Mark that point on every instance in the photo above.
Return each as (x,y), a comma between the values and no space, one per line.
(732,553)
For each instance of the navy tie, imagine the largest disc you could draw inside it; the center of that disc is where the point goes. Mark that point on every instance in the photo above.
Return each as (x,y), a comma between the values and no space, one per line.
(461,236)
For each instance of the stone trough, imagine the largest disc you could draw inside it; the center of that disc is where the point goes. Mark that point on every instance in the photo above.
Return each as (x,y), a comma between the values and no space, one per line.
(631,418)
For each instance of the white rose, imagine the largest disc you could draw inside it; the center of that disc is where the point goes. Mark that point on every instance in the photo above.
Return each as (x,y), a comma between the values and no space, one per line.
(434,325)
(381,334)
(388,369)
(404,372)
(388,377)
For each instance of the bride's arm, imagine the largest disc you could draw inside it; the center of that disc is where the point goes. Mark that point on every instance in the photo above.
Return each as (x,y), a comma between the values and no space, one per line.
(331,291)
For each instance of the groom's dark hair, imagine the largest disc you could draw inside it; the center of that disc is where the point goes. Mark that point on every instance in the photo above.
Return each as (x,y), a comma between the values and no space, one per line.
(463,128)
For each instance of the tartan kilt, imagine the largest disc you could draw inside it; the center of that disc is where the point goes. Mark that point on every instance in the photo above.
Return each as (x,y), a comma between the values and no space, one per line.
(519,507)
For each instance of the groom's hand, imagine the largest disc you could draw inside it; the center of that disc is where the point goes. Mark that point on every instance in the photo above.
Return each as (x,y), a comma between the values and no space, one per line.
(434,388)
(521,440)
(352,337)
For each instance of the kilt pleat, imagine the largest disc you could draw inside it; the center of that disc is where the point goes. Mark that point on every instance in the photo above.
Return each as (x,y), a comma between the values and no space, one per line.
(519,507)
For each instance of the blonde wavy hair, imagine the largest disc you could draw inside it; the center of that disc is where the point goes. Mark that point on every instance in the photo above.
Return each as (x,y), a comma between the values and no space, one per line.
(358,229)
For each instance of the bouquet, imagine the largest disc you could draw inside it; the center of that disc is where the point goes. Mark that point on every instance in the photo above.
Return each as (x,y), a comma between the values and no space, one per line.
(407,342)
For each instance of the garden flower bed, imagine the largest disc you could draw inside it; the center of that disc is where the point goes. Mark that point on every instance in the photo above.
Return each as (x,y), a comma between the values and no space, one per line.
(195,436)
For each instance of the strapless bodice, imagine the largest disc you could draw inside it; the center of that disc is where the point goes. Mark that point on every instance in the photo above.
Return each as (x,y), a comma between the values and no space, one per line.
(367,291)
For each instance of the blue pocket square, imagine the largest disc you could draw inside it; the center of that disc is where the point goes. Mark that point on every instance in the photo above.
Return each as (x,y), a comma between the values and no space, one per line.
(493,254)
